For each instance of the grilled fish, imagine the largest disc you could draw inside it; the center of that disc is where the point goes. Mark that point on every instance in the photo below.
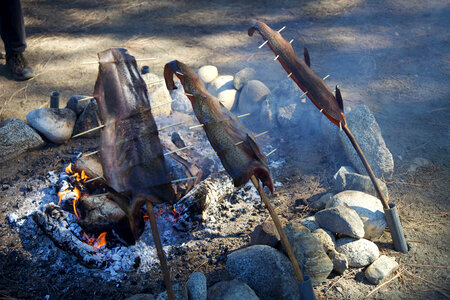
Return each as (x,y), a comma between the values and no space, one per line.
(132,156)
(300,71)
(233,143)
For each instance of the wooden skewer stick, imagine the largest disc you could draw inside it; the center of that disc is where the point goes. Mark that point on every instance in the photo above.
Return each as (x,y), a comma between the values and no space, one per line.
(87,131)
(201,125)
(165,103)
(173,181)
(271,152)
(160,251)
(137,59)
(262,45)
(84,99)
(183,179)
(276,221)
(171,125)
(237,144)
(93,179)
(180,149)
(90,153)
(282,29)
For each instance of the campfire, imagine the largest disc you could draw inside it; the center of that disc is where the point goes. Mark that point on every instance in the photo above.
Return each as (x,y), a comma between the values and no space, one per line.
(149,189)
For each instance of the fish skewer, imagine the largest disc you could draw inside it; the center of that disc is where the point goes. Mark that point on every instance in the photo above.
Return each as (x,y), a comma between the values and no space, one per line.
(331,106)
(240,155)
(132,157)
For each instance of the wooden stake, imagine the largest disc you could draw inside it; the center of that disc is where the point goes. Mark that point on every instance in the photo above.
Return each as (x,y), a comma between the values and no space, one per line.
(366,165)
(160,251)
(276,221)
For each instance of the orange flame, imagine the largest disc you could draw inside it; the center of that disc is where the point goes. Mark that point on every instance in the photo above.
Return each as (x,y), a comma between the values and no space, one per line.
(80,178)
(100,241)
(75,200)
(96,243)
(61,195)
(69,169)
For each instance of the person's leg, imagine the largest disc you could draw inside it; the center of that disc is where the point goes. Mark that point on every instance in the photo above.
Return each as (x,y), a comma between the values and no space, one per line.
(12,26)
(13,35)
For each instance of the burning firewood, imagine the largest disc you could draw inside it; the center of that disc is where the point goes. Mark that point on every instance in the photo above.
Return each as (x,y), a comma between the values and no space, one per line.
(132,156)
(330,105)
(235,146)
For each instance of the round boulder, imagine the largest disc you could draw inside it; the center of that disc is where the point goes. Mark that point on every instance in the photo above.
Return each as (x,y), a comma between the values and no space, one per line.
(359,253)
(53,123)
(252,95)
(368,207)
(243,76)
(208,73)
(267,271)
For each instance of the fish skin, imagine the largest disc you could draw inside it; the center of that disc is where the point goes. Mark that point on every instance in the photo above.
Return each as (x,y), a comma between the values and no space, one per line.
(222,128)
(302,74)
(132,156)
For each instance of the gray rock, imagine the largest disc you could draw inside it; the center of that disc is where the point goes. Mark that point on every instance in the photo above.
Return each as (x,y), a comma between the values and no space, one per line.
(208,73)
(309,252)
(365,128)
(243,76)
(360,253)
(53,123)
(345,179)
(368,208)
(231,290)
(141,297)
(321,202)
(196,286)
(417,163)
(88,119)
(267,271)
(327,239)
(341,219)
(158,94)
(310,223)
(179,290)
(292,110)
(380,269)
(252,95)
(340,262)
(16,137)
(181,102)
(76,105)
(265,234)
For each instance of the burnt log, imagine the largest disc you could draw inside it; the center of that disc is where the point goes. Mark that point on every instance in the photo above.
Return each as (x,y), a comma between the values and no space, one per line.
(202,200)
(53,222)
(100,214)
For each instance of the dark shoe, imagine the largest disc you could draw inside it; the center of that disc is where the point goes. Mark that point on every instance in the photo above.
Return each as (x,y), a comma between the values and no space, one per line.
(19,66)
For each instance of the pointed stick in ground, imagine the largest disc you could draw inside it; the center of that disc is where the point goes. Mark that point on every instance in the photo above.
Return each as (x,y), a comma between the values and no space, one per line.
(160,251)
(276,221)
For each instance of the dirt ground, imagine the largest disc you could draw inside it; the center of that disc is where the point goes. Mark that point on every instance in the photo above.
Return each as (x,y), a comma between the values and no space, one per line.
(393,56)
